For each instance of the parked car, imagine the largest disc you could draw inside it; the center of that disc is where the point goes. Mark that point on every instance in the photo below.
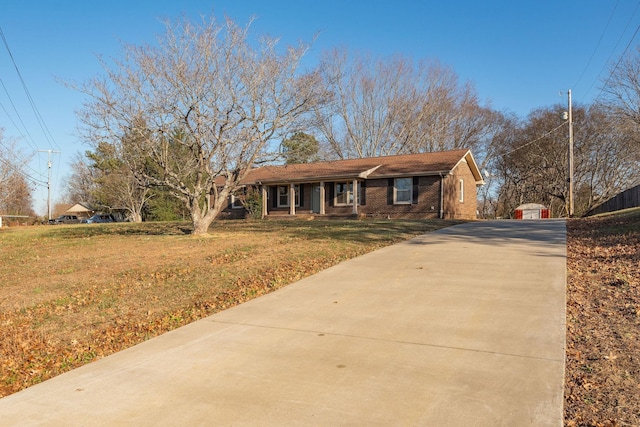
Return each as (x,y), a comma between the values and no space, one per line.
(99,218)
(65,219)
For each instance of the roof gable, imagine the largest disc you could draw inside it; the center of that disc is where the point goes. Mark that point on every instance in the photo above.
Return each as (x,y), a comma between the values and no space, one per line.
(79,208)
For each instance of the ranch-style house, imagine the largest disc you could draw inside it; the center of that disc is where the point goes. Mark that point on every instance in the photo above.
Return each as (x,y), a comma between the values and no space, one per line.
(427,185)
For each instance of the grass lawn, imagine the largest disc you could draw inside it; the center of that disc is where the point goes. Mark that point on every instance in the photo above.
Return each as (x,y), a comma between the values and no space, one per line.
(70,294)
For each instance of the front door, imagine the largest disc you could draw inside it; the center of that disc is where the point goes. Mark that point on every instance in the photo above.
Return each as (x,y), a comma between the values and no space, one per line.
(315,199)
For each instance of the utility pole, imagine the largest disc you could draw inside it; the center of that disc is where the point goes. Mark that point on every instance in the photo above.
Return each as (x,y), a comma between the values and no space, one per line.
(570,158)
(49,179)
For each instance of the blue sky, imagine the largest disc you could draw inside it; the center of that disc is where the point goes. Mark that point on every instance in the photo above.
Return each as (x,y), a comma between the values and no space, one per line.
(519,54)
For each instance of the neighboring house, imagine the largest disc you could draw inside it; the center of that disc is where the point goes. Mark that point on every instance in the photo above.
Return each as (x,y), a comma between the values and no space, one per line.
(82,210)
(85,211)
(427,185)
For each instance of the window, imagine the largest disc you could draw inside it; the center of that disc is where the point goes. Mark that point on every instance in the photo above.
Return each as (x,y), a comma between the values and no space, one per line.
(283,196)
(402,189)
(236,202)
(344,194)
(462,191)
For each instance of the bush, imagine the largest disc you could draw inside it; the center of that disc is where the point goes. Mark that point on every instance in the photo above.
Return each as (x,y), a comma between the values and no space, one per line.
(252,202)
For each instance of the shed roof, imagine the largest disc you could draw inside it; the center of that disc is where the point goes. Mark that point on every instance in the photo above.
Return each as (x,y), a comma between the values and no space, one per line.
(528,206)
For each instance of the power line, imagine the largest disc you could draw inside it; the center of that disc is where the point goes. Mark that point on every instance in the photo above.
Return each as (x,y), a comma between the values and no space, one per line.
(30,139)
(37,173)
(45,130)
(23,173)
(529,143)
(598,44)
(613,70)
(613,51)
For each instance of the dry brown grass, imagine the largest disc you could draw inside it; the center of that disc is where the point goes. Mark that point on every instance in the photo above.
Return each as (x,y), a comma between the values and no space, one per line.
(72,294)
(602,380)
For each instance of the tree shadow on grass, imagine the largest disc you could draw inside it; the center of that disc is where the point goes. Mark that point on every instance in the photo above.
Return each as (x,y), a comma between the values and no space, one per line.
(365,231)
(172,228)
(348,230)
(503,232)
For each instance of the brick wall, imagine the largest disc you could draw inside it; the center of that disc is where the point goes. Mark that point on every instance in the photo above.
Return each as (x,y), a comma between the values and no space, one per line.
(453,207)
(378,201)
(377,198)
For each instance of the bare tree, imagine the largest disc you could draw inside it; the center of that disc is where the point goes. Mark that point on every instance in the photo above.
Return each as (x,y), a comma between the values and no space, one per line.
(16,192)
(381,107)
(622,90)
(228,97)
(607,163)
(81,184)
(16,196)
(119,177)
(531,162)
(103,179)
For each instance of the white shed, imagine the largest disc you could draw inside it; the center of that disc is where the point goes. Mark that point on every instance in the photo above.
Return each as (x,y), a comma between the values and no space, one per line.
(531,211)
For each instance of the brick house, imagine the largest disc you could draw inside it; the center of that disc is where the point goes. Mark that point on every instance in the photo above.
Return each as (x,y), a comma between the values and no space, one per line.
(426,185)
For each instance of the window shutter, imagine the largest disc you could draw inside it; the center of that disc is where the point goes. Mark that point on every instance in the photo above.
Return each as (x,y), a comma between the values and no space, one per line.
(274,198)
(331,192)
(416,189)
(363,193)
(390,191)
(301,194)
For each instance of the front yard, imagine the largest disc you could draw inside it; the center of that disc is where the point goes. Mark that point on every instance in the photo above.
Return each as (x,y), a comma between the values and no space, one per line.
(72,294)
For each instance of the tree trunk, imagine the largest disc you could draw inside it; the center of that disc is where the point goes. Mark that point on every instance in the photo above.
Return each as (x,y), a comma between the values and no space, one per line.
(201,223)
(135,216)
(201,226)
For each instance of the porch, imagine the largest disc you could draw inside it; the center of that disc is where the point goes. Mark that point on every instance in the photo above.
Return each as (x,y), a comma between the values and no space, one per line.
(311,199)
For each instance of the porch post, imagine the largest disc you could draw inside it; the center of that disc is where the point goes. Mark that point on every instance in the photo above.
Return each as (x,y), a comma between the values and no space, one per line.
(263,189)
(355,197)
(292,199)
(322,212)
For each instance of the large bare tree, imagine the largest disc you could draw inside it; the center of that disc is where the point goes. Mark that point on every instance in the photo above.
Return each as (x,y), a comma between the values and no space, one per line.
(391,106)
(203,106)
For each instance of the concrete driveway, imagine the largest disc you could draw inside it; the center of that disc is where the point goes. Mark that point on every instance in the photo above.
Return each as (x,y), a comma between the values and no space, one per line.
(462,327)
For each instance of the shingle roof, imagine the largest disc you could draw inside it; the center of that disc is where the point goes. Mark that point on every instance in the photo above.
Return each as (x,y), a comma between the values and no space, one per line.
(372,167)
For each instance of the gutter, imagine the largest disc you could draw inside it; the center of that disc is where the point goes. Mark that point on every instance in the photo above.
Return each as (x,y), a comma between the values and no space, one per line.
(406,174)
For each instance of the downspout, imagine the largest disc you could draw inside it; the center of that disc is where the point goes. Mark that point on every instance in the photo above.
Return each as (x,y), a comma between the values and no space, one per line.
(441,196)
